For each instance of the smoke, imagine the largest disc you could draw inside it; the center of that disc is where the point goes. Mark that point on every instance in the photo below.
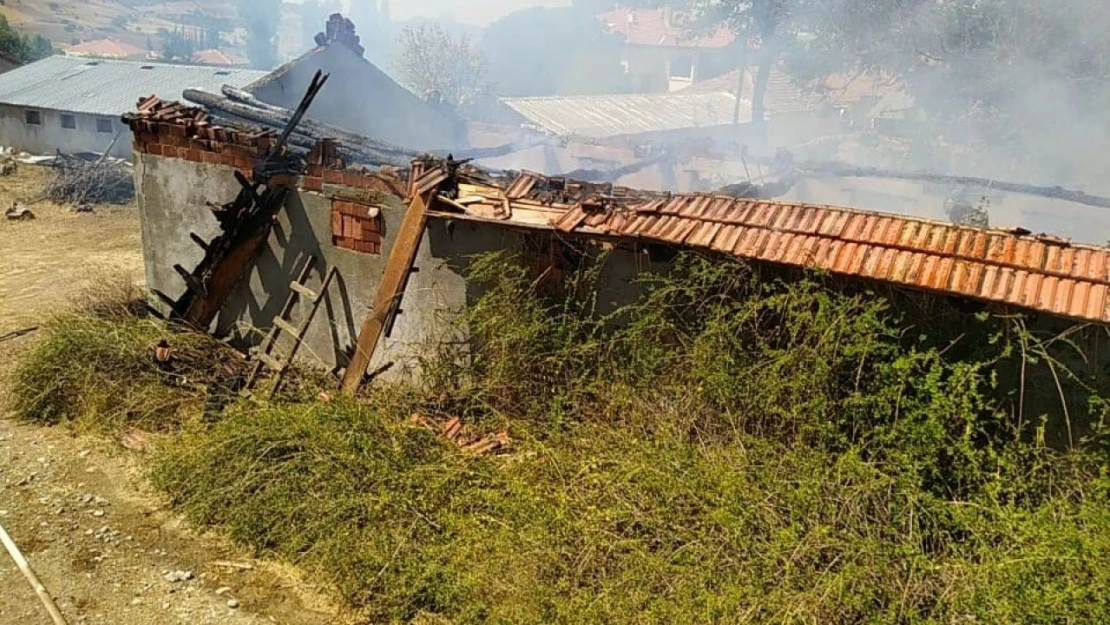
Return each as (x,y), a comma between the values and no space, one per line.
(475,12)
(1009,88)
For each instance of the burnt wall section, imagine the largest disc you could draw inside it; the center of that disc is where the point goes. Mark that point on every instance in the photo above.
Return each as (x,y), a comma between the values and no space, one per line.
(172,196)
(343,218)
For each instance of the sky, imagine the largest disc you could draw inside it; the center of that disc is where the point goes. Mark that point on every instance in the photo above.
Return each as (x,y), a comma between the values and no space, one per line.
(477,12)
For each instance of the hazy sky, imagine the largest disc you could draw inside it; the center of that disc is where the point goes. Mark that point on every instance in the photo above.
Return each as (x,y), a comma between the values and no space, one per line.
(479,12)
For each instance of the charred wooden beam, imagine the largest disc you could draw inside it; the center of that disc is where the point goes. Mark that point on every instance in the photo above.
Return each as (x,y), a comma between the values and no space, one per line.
(246,223)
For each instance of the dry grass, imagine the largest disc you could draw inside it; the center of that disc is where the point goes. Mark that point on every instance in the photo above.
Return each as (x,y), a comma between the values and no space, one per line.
(46,261)
(62,21)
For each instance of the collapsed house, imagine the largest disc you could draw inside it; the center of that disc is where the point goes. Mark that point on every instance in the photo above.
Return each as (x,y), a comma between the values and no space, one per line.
(363,264)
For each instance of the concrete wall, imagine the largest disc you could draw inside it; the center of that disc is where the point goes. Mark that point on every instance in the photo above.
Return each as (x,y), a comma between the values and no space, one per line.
(361,98)
(49,136)
(172,194)
(656,69)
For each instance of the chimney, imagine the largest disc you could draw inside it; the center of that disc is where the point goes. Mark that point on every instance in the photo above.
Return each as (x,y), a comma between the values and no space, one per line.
(668,16)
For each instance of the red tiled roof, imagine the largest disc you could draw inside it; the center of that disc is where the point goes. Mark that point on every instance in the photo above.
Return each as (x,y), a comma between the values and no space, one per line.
(652,27)
(109,48)
(1038,272)
(218,57)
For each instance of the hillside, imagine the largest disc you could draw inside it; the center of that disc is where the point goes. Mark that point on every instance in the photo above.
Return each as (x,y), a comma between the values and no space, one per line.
(66,22)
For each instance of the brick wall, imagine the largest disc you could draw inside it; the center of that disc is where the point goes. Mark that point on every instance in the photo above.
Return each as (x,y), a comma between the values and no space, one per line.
(356,226)
(172,130)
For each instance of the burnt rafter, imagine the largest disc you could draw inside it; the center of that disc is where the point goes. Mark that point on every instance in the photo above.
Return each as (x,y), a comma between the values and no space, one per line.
(245,221)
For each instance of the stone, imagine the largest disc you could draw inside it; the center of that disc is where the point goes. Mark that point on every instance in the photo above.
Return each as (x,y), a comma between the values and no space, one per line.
(177,576)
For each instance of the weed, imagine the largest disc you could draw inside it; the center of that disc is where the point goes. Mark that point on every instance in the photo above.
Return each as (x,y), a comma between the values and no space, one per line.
(95,365)
(731,448)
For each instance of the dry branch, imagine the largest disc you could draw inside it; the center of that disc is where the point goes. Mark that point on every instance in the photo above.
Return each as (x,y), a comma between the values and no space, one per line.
(77,181)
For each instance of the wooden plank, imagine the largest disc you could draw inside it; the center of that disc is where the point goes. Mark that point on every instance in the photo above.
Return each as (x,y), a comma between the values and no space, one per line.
(285,326)
(303,291)
(397,268)
(271,362)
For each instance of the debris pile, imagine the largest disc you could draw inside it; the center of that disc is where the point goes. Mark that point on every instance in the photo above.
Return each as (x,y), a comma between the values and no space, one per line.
(75,180)
(469,441)
(7,164)
(19,212)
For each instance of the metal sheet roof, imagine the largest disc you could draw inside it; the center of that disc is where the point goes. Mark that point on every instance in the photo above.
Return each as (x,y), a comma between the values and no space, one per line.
(102,87)
(628,114)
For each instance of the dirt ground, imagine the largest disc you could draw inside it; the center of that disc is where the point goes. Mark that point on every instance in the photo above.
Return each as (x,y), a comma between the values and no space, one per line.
(101,541)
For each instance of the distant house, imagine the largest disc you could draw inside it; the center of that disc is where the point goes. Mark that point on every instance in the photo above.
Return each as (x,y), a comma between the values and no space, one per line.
(663,52)
(74,105)
(219,58)
(8,62)
(604,133)
(359,96)
(107,49)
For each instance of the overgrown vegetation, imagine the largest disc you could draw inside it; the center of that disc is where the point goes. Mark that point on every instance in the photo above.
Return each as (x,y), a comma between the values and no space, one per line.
(96,366)
(728,448)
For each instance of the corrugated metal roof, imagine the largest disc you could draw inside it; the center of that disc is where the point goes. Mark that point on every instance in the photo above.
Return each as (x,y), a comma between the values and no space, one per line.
(1038,272)
(101,87)
(628,114)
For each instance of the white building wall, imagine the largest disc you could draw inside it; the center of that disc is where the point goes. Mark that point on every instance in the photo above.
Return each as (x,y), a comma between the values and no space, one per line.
(49,135)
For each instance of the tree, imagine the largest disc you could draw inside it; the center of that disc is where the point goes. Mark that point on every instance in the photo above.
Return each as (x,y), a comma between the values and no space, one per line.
(24,48)
(181,43)
(434,64)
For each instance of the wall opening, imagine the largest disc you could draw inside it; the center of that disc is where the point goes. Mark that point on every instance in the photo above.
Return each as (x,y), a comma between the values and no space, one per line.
(32,117)
(69,121)
(103,125)
(356,227)
(682,66)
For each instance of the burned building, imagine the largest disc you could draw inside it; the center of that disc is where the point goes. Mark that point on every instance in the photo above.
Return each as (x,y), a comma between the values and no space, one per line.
(366,264)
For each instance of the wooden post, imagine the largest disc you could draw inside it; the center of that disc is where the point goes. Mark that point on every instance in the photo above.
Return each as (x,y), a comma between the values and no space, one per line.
(397,268)
(33,579)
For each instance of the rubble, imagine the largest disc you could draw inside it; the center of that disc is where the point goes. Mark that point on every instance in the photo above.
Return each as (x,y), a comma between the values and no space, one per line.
(19,212)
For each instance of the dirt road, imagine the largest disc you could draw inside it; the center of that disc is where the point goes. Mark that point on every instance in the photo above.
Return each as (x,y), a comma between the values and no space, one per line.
(100,540)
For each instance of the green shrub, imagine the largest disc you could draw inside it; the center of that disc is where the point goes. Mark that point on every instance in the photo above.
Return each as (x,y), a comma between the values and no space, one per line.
(731,448)
(95,365)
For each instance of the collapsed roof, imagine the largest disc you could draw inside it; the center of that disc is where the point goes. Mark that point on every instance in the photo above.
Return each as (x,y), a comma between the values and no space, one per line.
(1006,267)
